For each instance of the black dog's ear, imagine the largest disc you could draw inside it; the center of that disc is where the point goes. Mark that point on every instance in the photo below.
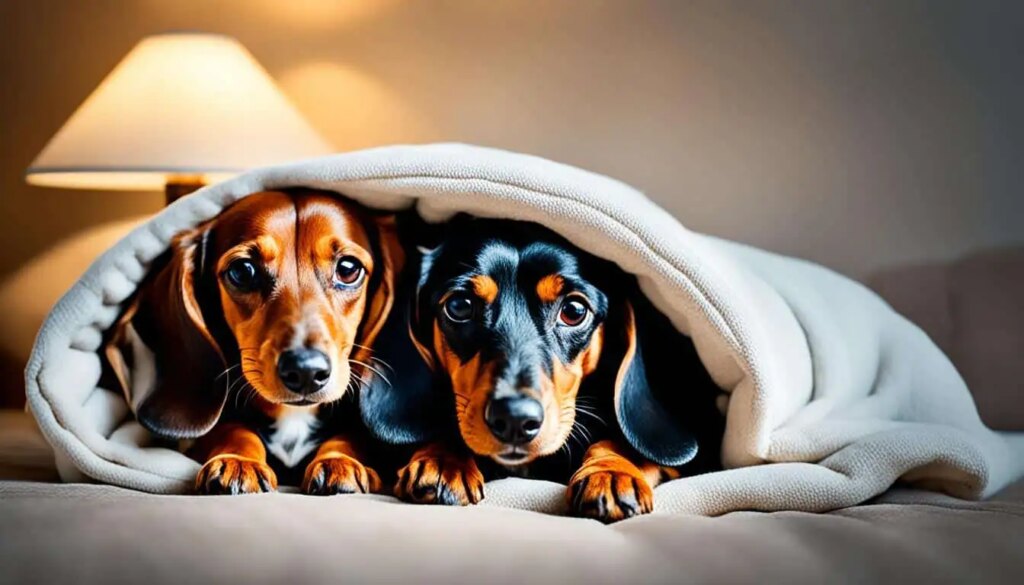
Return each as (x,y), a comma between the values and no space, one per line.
(163,352)
(400,404)
(646,424)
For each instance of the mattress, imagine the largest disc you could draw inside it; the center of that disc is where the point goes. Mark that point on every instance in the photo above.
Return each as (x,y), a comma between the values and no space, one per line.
(51,532)
(54,533)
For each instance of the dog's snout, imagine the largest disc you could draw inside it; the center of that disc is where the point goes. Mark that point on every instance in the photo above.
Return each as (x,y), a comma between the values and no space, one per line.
(304,370)
(514,420)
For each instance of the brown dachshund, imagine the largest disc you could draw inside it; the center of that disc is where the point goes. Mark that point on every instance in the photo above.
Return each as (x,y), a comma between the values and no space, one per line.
(249,333)
(541,361)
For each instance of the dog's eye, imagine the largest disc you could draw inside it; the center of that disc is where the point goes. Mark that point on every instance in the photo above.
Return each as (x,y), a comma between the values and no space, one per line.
(242,275)
(573,312)
(349,271)
(459,308)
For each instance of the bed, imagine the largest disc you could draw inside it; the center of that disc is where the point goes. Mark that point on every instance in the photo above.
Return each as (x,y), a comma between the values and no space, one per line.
(86,533)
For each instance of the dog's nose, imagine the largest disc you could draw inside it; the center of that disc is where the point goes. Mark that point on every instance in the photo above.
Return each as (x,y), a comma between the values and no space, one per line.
(515,420)
(303,370)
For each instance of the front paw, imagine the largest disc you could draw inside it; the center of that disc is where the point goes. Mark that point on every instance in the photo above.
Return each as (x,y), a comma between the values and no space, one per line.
(339,474)
(441,479)
(609,494)
(231,474)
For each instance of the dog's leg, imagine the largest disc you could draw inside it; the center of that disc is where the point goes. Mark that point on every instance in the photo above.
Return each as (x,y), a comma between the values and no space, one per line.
(236,462)
(336,470)
(609,486)
(440,474)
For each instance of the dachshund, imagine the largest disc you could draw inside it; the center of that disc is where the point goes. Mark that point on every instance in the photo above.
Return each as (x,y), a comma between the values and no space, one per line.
(528,351)
(250,331)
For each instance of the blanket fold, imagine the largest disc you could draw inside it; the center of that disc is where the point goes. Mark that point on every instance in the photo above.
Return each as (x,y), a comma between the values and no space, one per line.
(830,395)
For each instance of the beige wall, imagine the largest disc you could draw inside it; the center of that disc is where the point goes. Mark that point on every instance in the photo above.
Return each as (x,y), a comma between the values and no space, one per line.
(858,134)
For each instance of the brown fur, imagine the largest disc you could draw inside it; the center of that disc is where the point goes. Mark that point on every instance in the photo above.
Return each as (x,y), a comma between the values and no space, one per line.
(485,287)
(297,237)
(472,383)
(264,227)
(236,462)
(549,288)
(609,486)
(336,469)
(439,474)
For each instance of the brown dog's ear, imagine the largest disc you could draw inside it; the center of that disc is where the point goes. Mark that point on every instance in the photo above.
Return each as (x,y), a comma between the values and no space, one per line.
(162,349)
(389,257)
(646,424)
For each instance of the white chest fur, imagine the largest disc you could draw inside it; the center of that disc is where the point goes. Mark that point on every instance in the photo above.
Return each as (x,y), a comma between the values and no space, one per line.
(291,436)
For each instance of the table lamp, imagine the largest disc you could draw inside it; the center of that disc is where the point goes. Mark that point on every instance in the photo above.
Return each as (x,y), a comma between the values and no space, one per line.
(179,111)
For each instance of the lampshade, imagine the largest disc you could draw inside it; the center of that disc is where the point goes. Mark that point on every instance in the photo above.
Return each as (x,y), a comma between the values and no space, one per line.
(179,105)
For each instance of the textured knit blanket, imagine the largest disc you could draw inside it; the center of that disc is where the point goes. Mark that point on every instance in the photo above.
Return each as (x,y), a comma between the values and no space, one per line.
(831,395)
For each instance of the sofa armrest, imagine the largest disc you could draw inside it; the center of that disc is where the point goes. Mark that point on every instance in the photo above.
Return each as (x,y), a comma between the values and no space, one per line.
(973,308)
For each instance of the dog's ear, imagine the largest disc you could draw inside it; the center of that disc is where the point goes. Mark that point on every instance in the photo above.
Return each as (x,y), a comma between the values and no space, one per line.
(400,403)
(646,424)
(162,350)
(389,257)
(420,330)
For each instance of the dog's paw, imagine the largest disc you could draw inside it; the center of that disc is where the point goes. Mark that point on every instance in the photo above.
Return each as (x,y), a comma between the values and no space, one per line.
(609,493)
(439,478)
(339,474)
(231,474)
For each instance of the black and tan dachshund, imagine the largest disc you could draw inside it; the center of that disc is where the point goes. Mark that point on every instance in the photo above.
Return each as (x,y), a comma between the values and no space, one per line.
(518,354)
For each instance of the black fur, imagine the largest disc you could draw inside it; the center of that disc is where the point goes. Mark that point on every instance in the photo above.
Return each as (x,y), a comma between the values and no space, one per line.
(667,414)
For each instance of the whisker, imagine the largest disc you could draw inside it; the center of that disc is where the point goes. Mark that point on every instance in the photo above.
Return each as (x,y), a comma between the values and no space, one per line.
(225,372)
(251,393)
(372,369)
(383,363)
(589,410)
(585,435)
(575,433)
(592,415)
(236,383)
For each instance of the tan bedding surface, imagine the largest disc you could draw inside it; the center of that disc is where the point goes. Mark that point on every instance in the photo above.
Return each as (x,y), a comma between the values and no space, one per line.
(83,533)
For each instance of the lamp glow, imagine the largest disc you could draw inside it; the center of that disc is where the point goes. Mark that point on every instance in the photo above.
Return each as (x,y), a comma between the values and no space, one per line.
(186,108)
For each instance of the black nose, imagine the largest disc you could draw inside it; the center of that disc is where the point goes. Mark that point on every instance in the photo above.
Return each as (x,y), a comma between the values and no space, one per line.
(515,420)
(303,370)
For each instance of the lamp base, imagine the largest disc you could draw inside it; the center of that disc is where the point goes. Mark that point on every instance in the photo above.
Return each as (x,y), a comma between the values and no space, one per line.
(178,187)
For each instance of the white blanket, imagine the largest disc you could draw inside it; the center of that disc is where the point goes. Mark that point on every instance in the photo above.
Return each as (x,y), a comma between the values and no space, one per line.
(831,396)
